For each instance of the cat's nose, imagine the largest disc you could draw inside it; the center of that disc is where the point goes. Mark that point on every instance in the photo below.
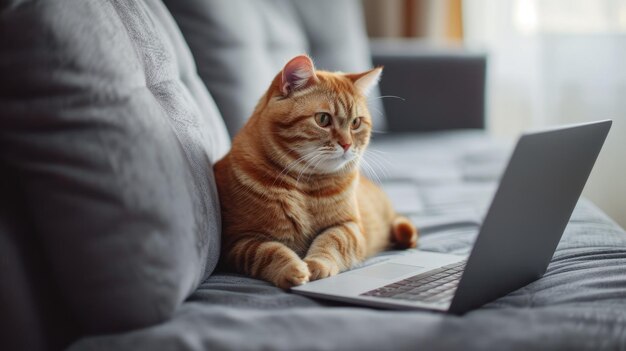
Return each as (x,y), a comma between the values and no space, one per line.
(345,146)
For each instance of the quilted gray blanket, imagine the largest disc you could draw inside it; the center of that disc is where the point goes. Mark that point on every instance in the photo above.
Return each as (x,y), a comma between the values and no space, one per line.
(580,303)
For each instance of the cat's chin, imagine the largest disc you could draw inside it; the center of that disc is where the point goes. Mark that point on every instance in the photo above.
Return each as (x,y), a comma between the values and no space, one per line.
(337,165)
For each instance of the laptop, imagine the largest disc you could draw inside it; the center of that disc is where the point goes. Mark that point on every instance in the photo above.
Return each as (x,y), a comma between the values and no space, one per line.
(525,221)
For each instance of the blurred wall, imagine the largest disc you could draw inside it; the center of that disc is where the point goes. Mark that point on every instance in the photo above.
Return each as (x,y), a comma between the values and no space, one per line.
(558,62)
(384,18)
(433,20)
(551,62)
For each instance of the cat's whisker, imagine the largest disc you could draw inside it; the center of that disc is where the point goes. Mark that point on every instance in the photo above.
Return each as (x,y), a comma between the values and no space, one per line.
(314,167)
(308,165)
(383,170)
(290,166)
(376,131)
(379,162)
(388,96)
(380,113)
(371,172)
(376,150)
(380,156)
(285,170)
(325,153)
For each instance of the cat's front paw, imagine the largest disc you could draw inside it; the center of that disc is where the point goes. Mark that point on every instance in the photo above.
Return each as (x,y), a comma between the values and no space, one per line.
(293,274)
(321,268)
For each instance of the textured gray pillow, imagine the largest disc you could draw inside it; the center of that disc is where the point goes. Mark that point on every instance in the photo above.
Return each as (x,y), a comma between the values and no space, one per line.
(112,136)
(240,45)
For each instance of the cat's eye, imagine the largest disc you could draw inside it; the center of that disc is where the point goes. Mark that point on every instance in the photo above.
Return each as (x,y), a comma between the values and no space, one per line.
(356,123)
(322,119)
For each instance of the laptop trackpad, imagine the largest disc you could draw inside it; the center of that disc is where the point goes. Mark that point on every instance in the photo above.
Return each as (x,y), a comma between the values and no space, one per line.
(388,270)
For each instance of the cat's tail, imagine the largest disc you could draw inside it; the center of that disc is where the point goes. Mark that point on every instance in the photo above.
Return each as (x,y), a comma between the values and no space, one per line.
(404,233)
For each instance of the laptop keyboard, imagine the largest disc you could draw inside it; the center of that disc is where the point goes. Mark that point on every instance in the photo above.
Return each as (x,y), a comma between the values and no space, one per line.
(436,286)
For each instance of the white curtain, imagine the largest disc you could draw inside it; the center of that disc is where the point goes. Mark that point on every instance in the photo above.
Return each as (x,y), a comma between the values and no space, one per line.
(556,62)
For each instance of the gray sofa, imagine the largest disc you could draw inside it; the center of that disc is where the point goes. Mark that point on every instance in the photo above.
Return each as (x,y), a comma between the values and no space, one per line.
(112,113)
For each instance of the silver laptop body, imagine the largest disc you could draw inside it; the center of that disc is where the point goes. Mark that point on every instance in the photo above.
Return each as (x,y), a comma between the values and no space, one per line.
(526,219)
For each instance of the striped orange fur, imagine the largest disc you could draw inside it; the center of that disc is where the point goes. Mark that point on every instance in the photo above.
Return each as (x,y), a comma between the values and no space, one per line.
(294,204)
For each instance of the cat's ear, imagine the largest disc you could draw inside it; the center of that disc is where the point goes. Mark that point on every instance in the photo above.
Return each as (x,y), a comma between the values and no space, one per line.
(298,73)
(367,80)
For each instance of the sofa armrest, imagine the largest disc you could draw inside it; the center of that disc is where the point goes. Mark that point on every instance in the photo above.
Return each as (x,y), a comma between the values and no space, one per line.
(440,88)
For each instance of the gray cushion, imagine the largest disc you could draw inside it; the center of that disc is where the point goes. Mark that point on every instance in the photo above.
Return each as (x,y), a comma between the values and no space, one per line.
(33,315)
(241,45)
(112,136)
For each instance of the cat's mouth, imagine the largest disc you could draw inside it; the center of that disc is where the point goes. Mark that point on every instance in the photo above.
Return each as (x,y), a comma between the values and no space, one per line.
(335,163)
(347,156)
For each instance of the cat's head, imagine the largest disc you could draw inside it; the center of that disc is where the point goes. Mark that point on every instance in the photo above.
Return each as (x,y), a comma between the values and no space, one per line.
(319,119)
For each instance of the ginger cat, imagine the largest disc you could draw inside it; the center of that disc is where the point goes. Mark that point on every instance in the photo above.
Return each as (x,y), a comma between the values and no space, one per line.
(294,204)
